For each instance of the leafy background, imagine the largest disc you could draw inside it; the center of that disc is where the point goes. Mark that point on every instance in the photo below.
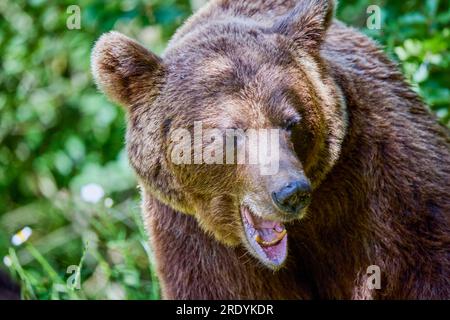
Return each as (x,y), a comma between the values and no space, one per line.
(59,135)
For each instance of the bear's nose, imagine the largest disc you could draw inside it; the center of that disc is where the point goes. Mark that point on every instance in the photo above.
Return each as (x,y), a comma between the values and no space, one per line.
(293,197)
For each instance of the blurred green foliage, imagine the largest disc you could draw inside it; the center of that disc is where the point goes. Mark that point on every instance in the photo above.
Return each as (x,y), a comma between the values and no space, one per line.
(58,134)
(417,35)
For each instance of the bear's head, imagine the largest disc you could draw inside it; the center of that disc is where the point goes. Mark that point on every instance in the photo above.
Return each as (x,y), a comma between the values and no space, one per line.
(236,124)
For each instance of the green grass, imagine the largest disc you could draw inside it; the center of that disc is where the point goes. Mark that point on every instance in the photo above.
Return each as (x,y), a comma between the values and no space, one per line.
(108,245)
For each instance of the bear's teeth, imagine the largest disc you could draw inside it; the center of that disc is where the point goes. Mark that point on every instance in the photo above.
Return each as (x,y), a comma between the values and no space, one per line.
(278,238)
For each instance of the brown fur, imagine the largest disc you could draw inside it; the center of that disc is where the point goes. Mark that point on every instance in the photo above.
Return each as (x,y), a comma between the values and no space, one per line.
(377,160)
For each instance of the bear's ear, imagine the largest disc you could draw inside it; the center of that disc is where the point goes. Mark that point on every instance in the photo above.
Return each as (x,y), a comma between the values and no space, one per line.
(307,23)
(123,69)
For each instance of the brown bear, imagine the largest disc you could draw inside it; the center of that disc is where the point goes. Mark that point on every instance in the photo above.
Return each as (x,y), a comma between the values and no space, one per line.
(363,182)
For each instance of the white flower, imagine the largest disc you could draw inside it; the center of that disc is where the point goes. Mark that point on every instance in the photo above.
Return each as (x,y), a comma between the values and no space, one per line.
(92,193)
(7,261)
(21,236)
(109,202)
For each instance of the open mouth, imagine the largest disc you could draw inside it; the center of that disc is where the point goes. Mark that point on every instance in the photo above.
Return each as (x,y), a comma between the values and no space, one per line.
(267,238)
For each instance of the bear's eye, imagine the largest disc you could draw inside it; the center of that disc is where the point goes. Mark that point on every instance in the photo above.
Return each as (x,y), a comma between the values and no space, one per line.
(290,124)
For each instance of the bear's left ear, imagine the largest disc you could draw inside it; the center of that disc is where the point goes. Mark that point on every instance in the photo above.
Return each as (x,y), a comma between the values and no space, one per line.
(123,69)
(307,23)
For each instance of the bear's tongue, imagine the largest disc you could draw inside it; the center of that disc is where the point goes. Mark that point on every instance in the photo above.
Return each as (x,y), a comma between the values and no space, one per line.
(268,238)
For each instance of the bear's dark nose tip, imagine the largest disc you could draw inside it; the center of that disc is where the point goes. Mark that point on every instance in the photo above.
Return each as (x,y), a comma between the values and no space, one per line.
(293,197)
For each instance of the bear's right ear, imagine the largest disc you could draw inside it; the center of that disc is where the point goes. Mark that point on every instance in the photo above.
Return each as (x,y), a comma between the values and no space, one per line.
(123,69)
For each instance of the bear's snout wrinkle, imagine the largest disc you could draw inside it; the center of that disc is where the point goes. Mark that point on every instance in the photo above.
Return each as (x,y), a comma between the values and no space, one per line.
(293,197)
